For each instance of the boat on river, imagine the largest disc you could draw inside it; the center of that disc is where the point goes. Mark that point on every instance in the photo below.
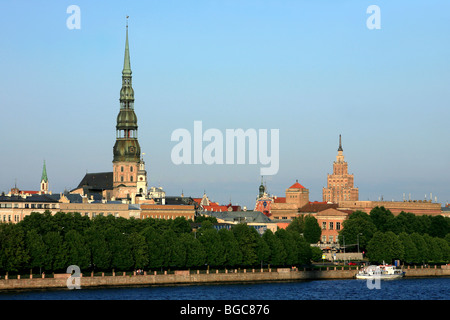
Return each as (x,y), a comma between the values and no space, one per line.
(382,272)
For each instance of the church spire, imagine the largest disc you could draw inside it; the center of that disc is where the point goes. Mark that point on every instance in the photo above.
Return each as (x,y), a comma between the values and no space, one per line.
(44,180)
(44,177)
(126,62)
(340,144)
(127,165)
(127,147)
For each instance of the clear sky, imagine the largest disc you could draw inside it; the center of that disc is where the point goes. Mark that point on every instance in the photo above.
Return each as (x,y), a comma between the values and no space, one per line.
(311,69)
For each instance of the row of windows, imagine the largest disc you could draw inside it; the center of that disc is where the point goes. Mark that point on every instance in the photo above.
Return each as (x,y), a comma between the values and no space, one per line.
(7,218)
(131,169)
(29,205)
(331,225)
(167,217)
(332,239)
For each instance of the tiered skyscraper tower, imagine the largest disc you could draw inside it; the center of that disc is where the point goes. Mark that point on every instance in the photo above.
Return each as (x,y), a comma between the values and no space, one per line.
(340,183)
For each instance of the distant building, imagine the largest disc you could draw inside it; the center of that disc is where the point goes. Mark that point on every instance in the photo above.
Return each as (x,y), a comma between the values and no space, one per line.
(99,184)
(287,207)
(264,201)
(254,219)
(156,193)
(340,183)
(15,208)
(417,207)
(209,206)
(168,211)
(331,221)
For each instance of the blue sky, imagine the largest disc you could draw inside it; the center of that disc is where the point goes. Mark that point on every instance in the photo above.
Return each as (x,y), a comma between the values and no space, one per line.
(311,69)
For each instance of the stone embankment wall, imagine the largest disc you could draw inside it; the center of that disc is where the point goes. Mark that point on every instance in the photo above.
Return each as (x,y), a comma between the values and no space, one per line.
(196,277)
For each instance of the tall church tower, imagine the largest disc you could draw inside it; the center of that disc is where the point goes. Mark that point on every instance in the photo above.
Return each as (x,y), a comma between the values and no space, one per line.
(340,183)
(126,161)
(44,180)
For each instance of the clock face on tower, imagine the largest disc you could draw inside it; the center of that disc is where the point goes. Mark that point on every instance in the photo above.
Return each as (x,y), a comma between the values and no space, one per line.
(131,149)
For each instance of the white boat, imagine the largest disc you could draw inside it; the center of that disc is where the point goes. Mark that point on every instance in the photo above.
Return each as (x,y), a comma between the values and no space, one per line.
(383,272)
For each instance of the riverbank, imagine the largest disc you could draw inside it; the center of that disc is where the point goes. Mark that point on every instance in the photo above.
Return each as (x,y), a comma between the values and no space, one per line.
(198,277)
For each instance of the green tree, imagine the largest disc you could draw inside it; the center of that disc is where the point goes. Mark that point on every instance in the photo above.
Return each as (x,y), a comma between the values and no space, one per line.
(312,230)
(37,249)
(139,250)
(213,246)
(232,252)
(290,246)
(178,255)
(445,249)
(384,247)
(410,250)
(381,217)
(155,246)
(439,226)
(277,251)
(304,252)
(121,257)
(296,225)
(56,252)
(316,254)
(195,253)
(181,225)
(246,237)
(433,249)
(77,249)
(421,246)
(357,230)
(13,254)
(101,255)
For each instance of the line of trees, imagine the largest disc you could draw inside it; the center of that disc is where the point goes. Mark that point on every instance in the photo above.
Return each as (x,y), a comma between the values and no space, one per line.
(408,237)
(50,243)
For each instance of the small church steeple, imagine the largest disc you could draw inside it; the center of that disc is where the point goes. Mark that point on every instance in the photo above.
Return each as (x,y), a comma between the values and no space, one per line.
(44,180)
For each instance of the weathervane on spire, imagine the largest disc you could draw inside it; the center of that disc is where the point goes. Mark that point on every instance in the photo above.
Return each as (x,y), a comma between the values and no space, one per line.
(127,20)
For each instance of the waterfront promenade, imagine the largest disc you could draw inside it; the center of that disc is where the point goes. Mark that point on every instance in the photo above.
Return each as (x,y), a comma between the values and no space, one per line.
(201,277)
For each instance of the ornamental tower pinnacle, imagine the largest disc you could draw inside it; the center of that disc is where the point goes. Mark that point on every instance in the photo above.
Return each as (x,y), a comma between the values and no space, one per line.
(126,150)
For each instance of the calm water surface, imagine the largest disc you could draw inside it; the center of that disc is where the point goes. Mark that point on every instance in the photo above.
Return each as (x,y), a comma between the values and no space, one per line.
(402,289)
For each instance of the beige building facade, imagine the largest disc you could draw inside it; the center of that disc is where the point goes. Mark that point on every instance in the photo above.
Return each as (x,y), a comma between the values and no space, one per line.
(286,208)
(167,212)
(416,207)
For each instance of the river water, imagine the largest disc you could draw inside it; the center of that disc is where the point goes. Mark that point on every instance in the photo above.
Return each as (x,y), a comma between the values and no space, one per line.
(401,289)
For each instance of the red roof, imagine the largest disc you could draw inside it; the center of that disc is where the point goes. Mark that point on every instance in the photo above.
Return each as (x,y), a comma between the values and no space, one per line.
(216,208)
(279,200)
(28,192)
(296,185)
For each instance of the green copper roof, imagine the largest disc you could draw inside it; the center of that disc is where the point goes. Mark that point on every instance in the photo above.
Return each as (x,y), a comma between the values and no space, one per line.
(127,146)
(44,173)
(126,63)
